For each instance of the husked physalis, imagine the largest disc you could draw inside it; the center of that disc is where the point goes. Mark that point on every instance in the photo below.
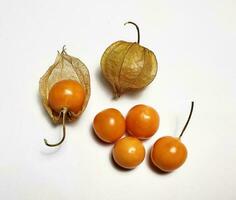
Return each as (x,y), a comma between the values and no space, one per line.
(128,152)
(169,153)
(65,90)
(109,125)
(142,121)
(128,65)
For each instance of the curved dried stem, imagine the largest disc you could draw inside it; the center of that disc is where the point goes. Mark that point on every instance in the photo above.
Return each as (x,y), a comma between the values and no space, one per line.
(136,28)
(189,117)
(63,112)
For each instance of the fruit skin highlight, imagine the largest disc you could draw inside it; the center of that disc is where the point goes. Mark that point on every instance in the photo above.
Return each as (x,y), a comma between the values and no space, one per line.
(66,94)
(109,125)
(142,121)
(128,152)
(168,153)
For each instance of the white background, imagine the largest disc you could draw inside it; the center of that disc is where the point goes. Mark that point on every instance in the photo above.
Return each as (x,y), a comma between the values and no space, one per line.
(194,42)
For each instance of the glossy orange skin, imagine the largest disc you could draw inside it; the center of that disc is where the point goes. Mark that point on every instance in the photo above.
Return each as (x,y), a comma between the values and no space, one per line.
(128,152)
(168,153)
(142,121)
(66,94)
(109,125)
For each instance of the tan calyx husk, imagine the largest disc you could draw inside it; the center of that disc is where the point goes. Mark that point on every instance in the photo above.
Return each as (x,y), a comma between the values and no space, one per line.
(128,65)
(65,67)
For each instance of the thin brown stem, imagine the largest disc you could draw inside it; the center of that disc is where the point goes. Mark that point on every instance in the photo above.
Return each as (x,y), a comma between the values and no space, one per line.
(136,28)
(64,112)
(63,49)
(189,117)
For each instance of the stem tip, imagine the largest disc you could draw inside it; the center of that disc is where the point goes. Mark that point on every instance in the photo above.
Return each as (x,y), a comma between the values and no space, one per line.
(138,40)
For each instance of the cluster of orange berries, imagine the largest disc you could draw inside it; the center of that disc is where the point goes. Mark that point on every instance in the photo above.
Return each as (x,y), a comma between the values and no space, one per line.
(168,153)
(142,122)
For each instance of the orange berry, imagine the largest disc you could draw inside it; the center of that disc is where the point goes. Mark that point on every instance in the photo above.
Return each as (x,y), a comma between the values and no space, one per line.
(168,153)
(109,125)
(142,121)
(128,152)
(66,94)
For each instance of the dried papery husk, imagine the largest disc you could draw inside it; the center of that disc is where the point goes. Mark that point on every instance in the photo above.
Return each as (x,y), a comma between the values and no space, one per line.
(65,67)
(128,66)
